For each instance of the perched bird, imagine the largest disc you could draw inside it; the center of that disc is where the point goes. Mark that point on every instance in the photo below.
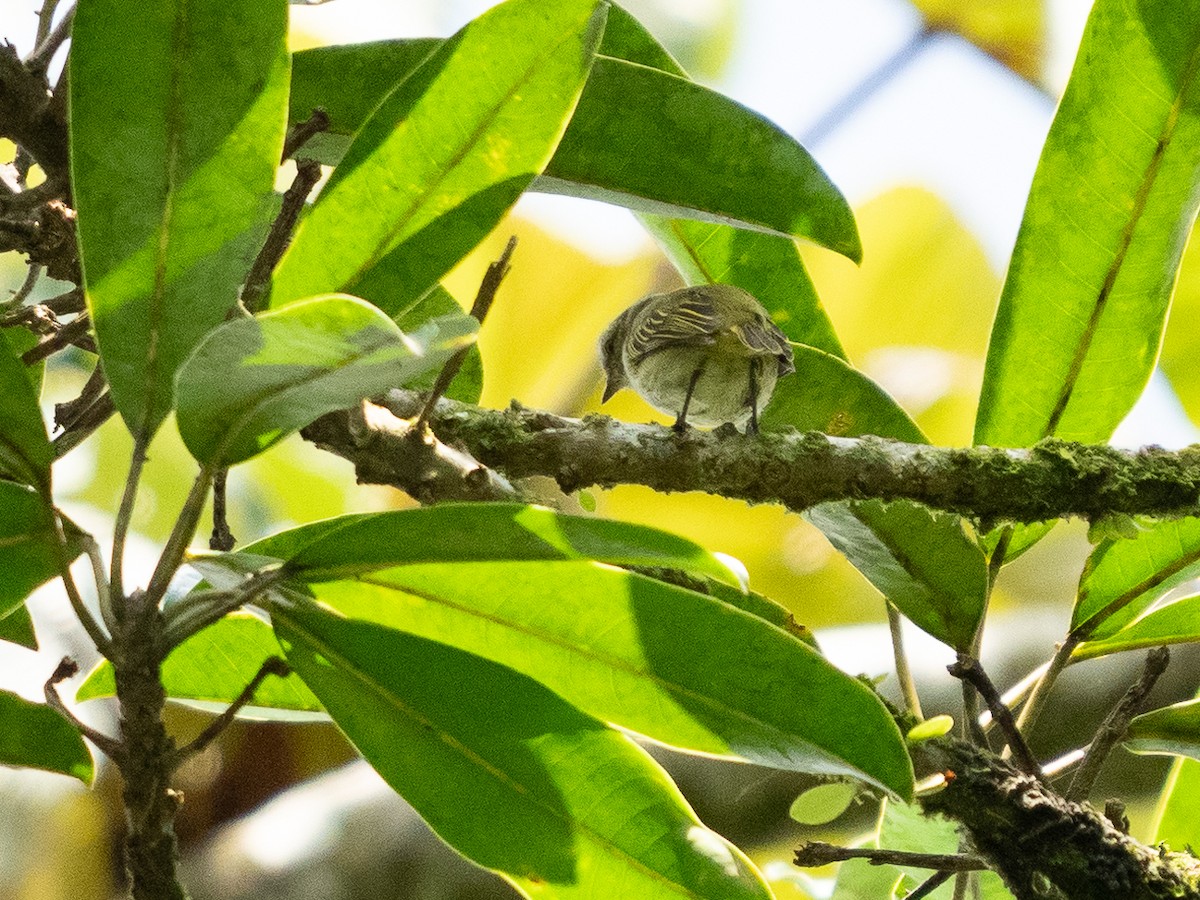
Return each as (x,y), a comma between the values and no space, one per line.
(709,354)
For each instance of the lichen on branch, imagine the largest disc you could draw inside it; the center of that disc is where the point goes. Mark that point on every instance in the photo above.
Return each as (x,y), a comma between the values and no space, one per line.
(1054,479)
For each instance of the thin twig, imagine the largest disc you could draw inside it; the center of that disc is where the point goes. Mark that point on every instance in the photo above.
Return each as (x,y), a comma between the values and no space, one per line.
(969,669)
(488,287)
(203,608)
(74,332)
(45,20)
(181,535)
(308,173)
(87,421)
(222,538)
(930,884)
(1116,724)
(973,730)
(26,288)
(111,747)
(961,881)
(908,687)
(1037,699)
(92,548)
(121,527)
(273,665)
(304,131)
(817,853)
(45,50)
(89,623)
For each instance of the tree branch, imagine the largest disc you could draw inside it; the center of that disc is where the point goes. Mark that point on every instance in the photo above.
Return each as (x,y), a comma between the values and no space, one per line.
(1043,845)
(1051,480)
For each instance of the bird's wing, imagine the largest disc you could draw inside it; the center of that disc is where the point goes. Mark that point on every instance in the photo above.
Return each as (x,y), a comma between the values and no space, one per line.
(689,321)
(762,335)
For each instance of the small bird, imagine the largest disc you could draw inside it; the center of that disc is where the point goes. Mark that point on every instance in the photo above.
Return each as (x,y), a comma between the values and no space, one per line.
(710,352)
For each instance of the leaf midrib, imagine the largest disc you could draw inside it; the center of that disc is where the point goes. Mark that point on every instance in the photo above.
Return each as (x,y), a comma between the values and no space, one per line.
(1141,198)
(574,824)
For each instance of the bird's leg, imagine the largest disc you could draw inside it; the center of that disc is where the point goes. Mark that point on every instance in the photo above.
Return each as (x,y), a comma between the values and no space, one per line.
(752,399)
(680,425)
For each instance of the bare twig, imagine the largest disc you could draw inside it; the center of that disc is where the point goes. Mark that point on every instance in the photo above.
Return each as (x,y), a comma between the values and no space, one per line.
(74,332)
(969,669)
(488,287)
(303,131)
(66,669)
(222,538)
(904,676)
(1117,723)
(89,623)
(308,173)
(816,853)
(1037,699)
(85,422)
(121,527)
(26,288)
(40,58)
(273,665)
(930,884)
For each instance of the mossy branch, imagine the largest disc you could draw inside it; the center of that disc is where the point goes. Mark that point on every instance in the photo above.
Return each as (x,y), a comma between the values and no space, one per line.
(1054,479)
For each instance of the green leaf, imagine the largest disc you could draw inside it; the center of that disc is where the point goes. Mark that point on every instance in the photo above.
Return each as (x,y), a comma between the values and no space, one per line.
(922,561)
(1176,623)
(213,666)
(826,394)
(1125,576)
(925,562)
(376,286)
(254,380)
(476,532)
(658,143)
(174,149)
(423,186)
(823,803)
(904,827)
(25,451)
(677,666)
(1173,730)
(1115,193)
(642,136)
(28,548)
(1175,819)
(34,736)
(16,627)
(768,266)
(508,773)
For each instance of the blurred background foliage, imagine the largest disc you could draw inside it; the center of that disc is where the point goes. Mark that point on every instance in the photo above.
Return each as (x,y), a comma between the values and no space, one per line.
(915,316)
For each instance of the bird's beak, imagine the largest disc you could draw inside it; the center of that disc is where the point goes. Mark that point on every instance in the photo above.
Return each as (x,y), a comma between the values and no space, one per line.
(611,386)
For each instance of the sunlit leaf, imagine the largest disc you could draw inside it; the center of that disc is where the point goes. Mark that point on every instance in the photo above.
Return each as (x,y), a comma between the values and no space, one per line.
(424,187)
(642,137)
(677,666)
(1125,576)
(174,149)
(254,380)
(1176,623)
(507,772)
(1082,311)
(1172,730)
(1175,819)
(212,667)
(475,532)
(35,736)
